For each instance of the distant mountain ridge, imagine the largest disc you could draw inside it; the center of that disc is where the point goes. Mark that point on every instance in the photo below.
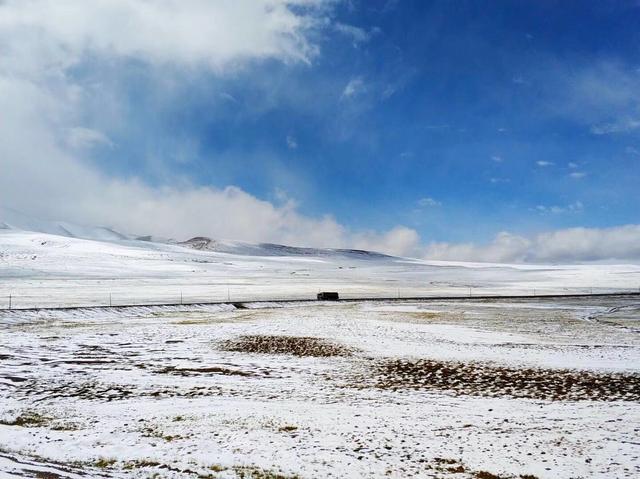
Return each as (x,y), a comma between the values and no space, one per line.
(204,243)
(14,220)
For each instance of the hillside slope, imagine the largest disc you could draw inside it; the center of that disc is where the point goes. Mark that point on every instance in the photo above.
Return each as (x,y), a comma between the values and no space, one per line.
(41,269)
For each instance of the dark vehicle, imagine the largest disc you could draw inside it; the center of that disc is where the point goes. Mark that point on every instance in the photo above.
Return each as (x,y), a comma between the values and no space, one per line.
(328,296)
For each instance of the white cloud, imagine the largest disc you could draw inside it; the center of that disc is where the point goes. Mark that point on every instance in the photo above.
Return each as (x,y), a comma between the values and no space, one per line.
(228,97)
(354,87)
(428,202)
(604,96)
(504,248)
(620,243)
(622,126)
(357,34)
(630,150)
(575,207)
(45,163)
(577,174)
(292,143)
(401,241)
(572,165)
(217,34)
(496,181)
(46,170)
(543,163)
(80,137)
(44,151)
(497,158)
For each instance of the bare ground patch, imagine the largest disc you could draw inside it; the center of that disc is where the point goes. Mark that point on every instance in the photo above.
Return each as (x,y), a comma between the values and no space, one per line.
(293,345)
(211,370)
(485,379)
(27,419)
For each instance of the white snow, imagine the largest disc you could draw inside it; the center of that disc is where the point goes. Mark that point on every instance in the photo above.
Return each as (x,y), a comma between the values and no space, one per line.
(100,380)
(96,375)
(39,269)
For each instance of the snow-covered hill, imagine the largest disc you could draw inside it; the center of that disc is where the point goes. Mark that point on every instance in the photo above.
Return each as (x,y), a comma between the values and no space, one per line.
(14,220)
(43,269)
(270,249)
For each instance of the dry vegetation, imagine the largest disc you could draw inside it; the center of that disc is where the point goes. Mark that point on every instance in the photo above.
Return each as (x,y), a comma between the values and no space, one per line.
(296,346)
(480,379)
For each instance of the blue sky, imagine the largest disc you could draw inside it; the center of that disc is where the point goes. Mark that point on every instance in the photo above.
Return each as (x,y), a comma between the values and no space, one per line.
(455,119)
(454,101)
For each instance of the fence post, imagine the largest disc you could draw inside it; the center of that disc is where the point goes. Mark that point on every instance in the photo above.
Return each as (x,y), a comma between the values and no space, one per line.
(9,301)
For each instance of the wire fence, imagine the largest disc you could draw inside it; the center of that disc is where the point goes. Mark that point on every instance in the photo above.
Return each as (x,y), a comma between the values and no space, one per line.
(124,298)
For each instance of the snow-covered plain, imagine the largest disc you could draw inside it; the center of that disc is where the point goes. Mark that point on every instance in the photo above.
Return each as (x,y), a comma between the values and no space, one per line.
(45,270)
(473,388)
(154,392)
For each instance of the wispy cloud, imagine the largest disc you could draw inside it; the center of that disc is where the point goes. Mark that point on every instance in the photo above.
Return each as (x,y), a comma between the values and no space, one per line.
(566,245)
(42,148)
(604,96)
(292,143)
(357,34)
(428,202)
(519,80)
(354,87)
(495,180)
(80,137)
(575,207)
(577,174)
(622,126)
(544,163)
(630,150)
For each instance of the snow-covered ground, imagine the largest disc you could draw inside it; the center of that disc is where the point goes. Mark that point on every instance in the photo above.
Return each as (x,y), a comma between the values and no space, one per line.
(472,388)
(45,270)
(158,391)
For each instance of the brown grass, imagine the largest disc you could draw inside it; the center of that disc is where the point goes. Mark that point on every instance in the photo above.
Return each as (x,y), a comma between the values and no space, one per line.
(485,475)
(484,379)
(27,419)
(295,346)
(204,371)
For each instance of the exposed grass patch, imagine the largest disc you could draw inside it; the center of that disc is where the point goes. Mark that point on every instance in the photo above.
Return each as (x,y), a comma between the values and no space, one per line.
(27,419)
(442,460)
(293,345)
(288,428)
(45,475)
(89,390)
(252,472)
(483,379)
(444,467)
(152,431)
(139,464)
(456,469)
(206,370)
(65,426)
(486,475)
(104,462)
